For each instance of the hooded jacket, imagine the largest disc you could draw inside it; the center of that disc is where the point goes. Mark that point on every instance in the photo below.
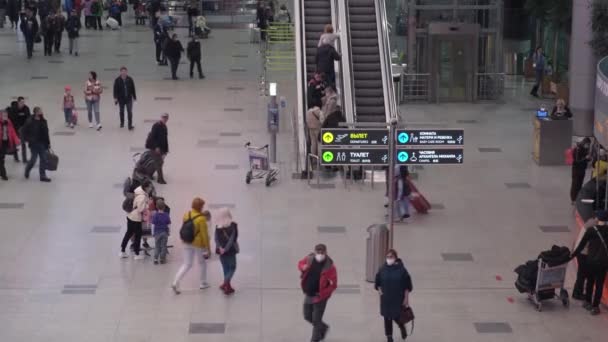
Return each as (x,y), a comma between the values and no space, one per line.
(13,139)
(329,276)
(140,204)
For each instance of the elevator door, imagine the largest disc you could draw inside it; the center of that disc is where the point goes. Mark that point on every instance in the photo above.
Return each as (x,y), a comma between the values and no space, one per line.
(453,71)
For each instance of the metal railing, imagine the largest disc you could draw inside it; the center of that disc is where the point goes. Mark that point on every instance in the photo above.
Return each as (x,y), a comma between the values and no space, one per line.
(347,79)
(416,87)
(390,103)
(490,86)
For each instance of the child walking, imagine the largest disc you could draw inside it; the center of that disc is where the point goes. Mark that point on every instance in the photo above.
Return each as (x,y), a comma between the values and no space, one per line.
(68,106)
(161,221)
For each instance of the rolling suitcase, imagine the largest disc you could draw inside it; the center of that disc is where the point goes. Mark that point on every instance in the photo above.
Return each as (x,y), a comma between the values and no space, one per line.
(418,201)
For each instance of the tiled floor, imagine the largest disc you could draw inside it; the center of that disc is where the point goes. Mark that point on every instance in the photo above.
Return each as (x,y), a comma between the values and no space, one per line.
(61,280)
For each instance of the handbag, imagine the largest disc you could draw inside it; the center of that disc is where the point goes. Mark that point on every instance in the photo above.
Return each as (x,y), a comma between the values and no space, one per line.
(406,316)
(51,160)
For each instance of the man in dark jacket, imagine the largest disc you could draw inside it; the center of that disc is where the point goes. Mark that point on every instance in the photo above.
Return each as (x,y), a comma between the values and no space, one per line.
(579,167)
(194,55)
(36,133)
(58,30)
(19,113)
(47,28)
(315,90)
(72,27)
(173,51)
(319,279)
(326,55)
(29,27)
(159,37)
(158,143)
(595,240)
(124,95)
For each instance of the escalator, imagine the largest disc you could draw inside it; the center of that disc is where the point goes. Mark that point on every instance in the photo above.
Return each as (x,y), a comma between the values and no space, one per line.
(369,59)
(317,14)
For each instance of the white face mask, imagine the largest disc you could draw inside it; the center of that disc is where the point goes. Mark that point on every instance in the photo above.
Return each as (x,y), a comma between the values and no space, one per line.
(319,257)
(390,261)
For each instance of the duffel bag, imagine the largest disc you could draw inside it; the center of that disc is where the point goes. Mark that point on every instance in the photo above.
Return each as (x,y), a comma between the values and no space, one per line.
(51,160)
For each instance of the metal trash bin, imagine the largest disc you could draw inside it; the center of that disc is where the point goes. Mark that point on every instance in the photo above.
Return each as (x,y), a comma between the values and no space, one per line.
(376,248)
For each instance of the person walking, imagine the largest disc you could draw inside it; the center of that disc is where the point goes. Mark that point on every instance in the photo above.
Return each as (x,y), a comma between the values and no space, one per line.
(161,222)
(3,8)
(44,9)
(88,17)
(227,246)
(595,240)
(198,248)
(394,284)
(582,271)
(97,13)
(158,142)
(192,10)
(29,28)
(326,55)
(314,120)
(538,60)
(68,106)
(579,167)
(72,27)
(159,37)
(194,55)
(173,51)
(402,192)
(319,279)
(124,96)
(8,141)
(13,8)
(36,133)
(134,221)
(19,113)
(48,33)
(92,95)
(58,30)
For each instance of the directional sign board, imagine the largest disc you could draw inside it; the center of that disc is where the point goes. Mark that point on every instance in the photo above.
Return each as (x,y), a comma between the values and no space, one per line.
(425,156)
(434,137)
(354,137)
(349,156)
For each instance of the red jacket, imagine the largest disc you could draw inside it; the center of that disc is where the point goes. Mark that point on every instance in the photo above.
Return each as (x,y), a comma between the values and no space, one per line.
(13,138)
(329,276)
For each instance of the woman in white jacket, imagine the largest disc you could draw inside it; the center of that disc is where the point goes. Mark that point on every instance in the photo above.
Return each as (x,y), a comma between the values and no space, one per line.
(134,220)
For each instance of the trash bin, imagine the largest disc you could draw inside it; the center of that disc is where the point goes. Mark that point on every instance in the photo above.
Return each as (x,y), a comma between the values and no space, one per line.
(377,246)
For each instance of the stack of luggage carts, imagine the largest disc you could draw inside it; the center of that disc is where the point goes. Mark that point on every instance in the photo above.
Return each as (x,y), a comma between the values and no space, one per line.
(540,278)
(146,164)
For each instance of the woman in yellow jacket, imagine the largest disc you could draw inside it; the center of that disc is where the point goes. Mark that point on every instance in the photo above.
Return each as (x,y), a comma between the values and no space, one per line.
(199,247)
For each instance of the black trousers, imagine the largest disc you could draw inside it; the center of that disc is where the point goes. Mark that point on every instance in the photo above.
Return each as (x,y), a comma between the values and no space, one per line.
(159,51)
(2,154)
(23,150)
(121,113)
(578,177)
(57,41)
(97,19)
(134,229)
(388,326)
(597,275)
(29,45)
(198,66)
(582,276)
(313,314)
(174,63)
(48,44)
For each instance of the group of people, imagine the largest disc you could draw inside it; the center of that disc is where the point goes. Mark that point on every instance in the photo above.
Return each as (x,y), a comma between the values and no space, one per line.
(50,30)
(17,127)
(169,48)
(323,112)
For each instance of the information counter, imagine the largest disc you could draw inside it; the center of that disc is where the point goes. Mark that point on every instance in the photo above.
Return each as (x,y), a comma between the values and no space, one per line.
(551,139)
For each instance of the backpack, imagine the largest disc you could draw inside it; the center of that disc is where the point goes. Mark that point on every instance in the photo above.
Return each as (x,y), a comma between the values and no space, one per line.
(187,232)
(128,203)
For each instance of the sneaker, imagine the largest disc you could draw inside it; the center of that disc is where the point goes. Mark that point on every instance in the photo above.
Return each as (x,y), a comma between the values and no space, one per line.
(162,261)
(123,255)
(578,296)
(155,261)
(175,289)
(587,306)
(99,127)
(595,311)
(146,245)
(4,178)
(45,179)
(139,257)
(67,124)
(71,125)
(204,286)
(90,125)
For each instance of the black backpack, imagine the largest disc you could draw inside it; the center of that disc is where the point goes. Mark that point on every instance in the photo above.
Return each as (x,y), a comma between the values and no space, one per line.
(187,233)
(128,203)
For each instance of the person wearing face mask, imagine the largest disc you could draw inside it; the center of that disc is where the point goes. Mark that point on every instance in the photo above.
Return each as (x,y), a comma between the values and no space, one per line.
(579,167)
(319,279)
(8,141)
(394,285)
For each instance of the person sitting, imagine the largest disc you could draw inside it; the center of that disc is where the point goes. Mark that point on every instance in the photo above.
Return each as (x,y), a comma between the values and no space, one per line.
(561,111)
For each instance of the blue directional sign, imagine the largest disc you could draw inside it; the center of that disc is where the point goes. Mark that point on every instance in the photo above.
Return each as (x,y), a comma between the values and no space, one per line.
(425,156)
(434,137)
(402,156)
(403,137)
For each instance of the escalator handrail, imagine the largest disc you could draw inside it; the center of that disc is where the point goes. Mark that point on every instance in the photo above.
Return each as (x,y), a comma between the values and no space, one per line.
(347,79)
(390,104)
(301,78)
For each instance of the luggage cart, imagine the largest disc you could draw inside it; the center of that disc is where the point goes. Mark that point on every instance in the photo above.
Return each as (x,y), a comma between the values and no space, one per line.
(549,279)
(259,166)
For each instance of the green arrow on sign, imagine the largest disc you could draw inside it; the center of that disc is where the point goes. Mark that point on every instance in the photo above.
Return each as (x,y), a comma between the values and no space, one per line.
(328,156)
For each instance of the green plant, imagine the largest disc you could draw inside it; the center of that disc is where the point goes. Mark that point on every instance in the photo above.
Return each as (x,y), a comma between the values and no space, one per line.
(560,18)
(599,28)
(539,9)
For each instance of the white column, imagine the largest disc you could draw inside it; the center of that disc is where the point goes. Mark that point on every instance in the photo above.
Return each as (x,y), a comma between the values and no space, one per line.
(583,66)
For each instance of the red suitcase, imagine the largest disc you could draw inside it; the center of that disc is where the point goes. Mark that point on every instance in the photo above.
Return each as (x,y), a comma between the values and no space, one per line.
(418,201)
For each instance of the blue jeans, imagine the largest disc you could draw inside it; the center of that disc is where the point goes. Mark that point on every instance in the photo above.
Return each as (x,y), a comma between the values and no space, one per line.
(93,107)
(160,246)
(68,115)
(37,150)
(228,266)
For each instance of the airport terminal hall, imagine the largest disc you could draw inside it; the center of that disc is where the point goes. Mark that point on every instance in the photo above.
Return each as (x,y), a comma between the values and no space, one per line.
(303,170)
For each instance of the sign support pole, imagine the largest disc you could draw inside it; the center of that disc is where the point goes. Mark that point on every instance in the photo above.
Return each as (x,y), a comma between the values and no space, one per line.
(391,183)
